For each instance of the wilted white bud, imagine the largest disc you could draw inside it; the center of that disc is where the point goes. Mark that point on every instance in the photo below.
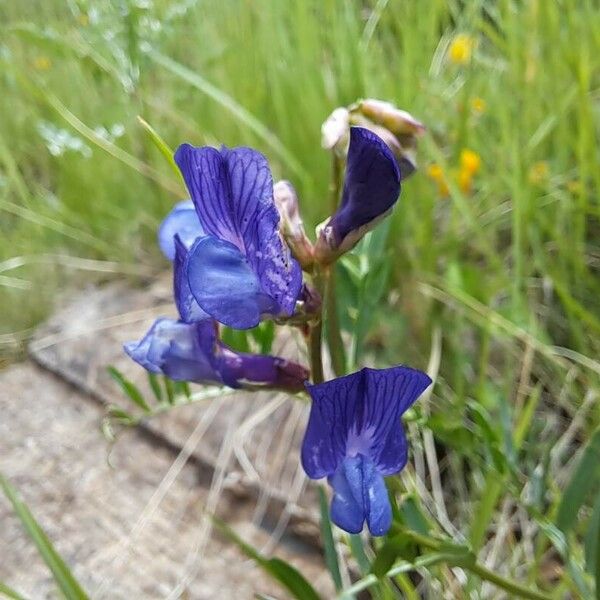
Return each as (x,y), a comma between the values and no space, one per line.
(335,130)
(399,122)
(292,227)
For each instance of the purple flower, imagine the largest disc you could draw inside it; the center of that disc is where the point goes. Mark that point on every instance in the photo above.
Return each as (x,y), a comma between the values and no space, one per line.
(371,188)
(240,269)
(193,352)
(354,438)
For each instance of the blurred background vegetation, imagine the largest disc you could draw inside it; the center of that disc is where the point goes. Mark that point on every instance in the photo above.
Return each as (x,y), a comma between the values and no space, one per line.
(489,265)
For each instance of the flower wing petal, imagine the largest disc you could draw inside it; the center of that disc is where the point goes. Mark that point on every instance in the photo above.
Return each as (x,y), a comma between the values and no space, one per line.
(225,285)
(332,415)
(182,221)
(388,394)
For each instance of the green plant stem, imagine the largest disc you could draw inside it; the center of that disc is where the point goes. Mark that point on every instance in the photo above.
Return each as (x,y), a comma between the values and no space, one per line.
(314,352)
(506,584)
(483,572)
(333,331)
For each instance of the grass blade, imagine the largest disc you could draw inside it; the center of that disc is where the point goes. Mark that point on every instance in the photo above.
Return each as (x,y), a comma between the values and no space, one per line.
(584,479)
(61,572)
(237,110)
(592,546)
(331,558)
(160,144)
(9,592)
(287,575)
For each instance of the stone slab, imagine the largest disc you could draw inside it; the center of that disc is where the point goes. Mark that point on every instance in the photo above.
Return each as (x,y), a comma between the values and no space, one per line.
(103,517)
(264,430)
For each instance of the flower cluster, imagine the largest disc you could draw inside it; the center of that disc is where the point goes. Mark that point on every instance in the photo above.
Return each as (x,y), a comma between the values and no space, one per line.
(238,248)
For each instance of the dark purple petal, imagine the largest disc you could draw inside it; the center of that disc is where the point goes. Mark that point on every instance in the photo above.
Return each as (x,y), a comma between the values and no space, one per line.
(388,394)
(192,352)
(181,351)
(224,284)
(360,414)
(360,494)
(189,309)
(371,185)
(182,221)
(238,369)
(232,191)
(325,440)
(205,174)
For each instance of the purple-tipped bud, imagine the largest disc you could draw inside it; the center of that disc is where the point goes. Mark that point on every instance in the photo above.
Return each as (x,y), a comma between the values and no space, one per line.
(397,128)
(291,225)
(371,187)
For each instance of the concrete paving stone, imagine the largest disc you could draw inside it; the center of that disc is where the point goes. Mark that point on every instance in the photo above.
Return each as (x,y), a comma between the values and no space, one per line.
(53,452)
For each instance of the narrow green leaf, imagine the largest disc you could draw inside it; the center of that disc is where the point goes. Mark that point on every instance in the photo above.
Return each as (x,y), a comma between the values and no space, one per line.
(592,546)
(584,480)
(169,390)
(358,551)
(287,575)
(526,415)
(129,388)
(182,388)
(493,488)
(155,386)
(412,515)
(9,592)
(394,547)
(161,145)
(61,572)
(331,558)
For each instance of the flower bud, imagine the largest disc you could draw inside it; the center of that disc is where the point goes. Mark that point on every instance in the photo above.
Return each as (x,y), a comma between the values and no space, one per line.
(335,131)
(291,225)
(397,128)
(399,122)
(371,188)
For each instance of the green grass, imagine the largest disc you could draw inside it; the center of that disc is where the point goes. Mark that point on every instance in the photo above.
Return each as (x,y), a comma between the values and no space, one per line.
(508,274)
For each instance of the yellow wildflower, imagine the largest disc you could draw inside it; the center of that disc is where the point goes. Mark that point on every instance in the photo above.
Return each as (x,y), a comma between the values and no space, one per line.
(465,180)
(42,63)
(83,20)
(478,105)
(470,161)
(461,49)
(574,187)
(435,172)
(538,173)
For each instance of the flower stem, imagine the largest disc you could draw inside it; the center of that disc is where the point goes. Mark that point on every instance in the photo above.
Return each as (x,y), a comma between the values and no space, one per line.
(334,336)
(483,572)
(314,352)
